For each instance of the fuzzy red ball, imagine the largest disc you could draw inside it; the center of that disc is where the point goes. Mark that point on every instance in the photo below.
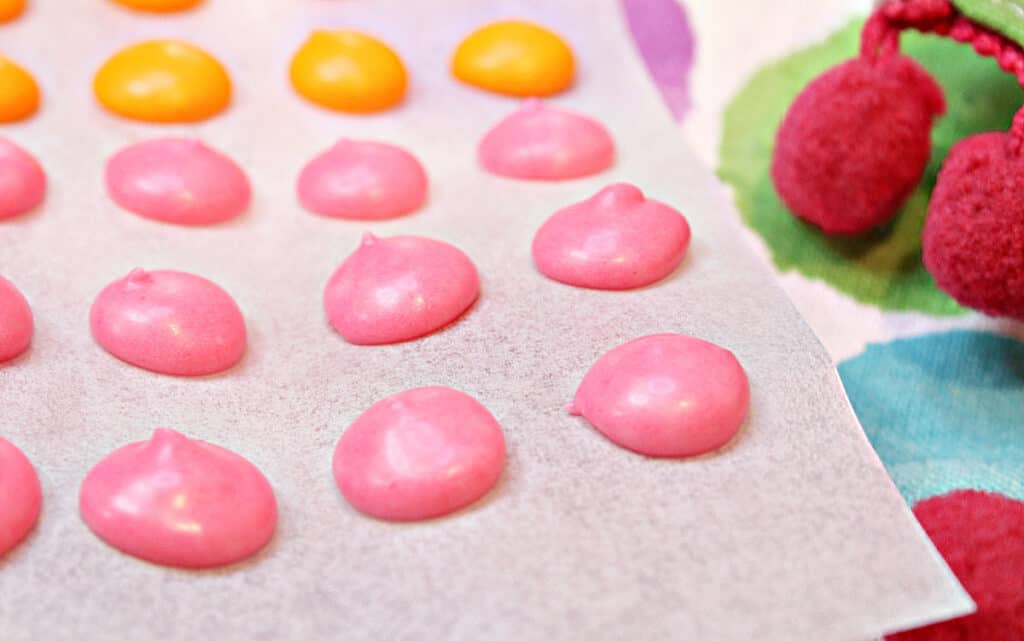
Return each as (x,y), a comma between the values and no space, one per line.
(974,235)
(855,142)
(981,536)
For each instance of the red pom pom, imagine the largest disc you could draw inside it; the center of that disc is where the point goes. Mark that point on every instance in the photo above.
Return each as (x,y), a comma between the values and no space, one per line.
(981,536)
(855,143)
(974,234)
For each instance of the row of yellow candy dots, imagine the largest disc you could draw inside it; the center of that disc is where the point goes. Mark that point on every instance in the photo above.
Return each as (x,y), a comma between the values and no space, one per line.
(19,92)
(342,70)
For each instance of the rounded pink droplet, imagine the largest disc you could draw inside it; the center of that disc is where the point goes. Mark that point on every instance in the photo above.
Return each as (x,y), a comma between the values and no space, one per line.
(16,324)
(20,496)
(538,142)
(22,180)
(617,239)
(177,180)
(419,454)
(665,395)
(169,322)
(359,179)
(177,501)
(396,289)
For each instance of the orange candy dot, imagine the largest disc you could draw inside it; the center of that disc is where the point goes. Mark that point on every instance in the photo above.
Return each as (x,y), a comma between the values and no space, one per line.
(19,93)
(11,9)
(515,58)
(163,81)
(348,71)
(159,6)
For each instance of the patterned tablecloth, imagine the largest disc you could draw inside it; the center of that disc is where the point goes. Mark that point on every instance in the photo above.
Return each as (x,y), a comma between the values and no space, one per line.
(938,388)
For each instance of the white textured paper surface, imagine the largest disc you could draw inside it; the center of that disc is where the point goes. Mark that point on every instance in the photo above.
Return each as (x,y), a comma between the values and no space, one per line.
(793,532)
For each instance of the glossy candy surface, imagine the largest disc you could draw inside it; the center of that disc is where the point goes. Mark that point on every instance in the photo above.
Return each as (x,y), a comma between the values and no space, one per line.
(20,496)
(538,142)
(515,58)
(360,179)
(163,81)
(419,454)
(399,288)
(16,324)
(22,180)
(19,93)
(665,395)
(169,322)
(177,180)
(348,71)
(617,239)
(178,501)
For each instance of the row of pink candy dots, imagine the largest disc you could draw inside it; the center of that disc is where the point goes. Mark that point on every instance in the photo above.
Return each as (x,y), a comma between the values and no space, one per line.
(181,324)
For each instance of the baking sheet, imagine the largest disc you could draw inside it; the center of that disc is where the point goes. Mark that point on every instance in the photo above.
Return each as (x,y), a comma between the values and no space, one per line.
(792,532)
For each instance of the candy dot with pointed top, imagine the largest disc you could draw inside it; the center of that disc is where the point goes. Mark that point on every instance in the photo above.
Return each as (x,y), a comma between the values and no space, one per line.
(515,58)
(20,496)
(665,395)
(363,180)
(419,454)
(616,239)
(163,81)
(177,180)
(22,181)
(399,288)
(538,142)
(178,501)
(348,71)
(16,323)
(169,322)
(19,92)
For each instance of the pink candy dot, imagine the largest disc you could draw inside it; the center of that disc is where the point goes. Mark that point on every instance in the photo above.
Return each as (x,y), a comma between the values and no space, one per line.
(16,326)
(396,289)
(176,501)
(419,454)
(169,322)
(365,180)
(538,142)
(617,239)
(20,496)
(177,180)
(22,181)
(665,395)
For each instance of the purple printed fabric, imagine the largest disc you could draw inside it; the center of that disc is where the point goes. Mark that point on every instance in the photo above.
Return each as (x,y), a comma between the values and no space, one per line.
(666,42)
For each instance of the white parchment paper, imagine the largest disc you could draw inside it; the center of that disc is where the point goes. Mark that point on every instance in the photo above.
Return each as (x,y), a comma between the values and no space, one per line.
(791,532)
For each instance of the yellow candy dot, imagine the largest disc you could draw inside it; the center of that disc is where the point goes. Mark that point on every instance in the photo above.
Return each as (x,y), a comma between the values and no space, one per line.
(11,9)
(348,71)
(159,6)
(19,93)
(163,81)
(515,58)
